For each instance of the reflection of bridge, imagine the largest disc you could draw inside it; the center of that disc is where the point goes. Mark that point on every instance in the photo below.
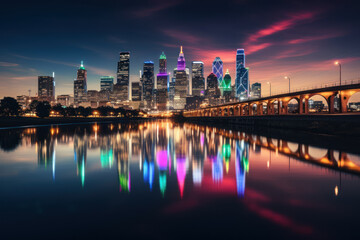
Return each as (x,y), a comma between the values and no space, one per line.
(278,104)
(339,161)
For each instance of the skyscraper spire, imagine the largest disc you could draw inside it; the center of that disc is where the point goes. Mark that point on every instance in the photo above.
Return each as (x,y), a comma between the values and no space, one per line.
(82,65)
(181,61)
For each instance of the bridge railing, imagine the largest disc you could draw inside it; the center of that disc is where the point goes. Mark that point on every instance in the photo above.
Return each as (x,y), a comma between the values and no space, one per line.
(317,86)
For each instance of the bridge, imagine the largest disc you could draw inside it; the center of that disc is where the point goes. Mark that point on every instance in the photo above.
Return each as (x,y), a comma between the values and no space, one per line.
(335,160)
(278,104)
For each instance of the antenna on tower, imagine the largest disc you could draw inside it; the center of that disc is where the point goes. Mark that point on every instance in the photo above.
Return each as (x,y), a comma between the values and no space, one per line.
(53,74)
(29,92)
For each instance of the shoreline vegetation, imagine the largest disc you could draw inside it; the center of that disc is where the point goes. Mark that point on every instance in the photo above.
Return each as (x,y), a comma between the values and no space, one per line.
(42,113)
(20,121)
(330,125)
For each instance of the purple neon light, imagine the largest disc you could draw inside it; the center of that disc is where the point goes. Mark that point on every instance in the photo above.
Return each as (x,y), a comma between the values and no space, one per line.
(161,158)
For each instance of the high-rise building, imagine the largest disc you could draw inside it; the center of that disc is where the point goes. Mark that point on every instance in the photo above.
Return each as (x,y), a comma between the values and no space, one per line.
(80,85)
(171,92)
(148,84)
(242,76)
(256,90)
(135,91)
(107,83)
(64,100)
(181,82)
(162,82)
(46,88)
(217,69)
(225,86)
(123,77)
(197,77)
(211,89)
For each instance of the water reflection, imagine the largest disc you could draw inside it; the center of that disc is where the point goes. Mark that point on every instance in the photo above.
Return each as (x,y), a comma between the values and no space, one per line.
(163,150)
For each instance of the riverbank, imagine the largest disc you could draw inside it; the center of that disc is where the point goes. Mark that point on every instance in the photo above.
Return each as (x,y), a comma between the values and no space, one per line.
(7,122)
(338,124)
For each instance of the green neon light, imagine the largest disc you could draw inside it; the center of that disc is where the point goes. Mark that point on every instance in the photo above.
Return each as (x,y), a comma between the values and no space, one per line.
(162,182)
(162,56)
(82,65)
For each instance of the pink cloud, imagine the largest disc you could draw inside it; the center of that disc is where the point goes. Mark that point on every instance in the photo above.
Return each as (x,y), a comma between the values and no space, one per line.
(8,64)
(293,53)
(186,37)
(25,78)
(281,25)
(158,6)
(254,48)
(314,38)
(252,44)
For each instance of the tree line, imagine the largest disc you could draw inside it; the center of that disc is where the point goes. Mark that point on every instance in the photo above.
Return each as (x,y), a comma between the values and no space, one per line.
(10,107)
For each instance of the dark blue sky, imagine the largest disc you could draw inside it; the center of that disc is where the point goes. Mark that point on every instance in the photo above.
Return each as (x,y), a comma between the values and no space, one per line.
(297,38)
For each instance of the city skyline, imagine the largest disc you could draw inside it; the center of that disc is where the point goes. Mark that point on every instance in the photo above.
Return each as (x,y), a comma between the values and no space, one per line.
(302,42)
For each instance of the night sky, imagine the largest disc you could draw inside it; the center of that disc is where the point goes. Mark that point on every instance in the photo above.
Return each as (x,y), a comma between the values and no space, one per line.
(301,39)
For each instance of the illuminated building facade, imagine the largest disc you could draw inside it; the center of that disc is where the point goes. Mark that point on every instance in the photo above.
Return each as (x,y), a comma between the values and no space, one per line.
(46,88)
(123,77)
(80,86)
(256,90)
(212,90)
(242,76)
(107,83)
(217,69)
(148,84)
(64,100)
(197,78)
(171,93)
(162,80)
(135,91)
(225,86)
(181,82)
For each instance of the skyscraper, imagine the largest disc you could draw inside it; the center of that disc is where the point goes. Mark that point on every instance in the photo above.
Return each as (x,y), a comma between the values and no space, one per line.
(225,86)
(211,89)
(256,90)
(123,77)
(242,76)
(148,84)
(107,83)
(198,80)
(80,85)
(171,92)
(46,88)
(217,69)
(135,91)
(181,82)
(162,84)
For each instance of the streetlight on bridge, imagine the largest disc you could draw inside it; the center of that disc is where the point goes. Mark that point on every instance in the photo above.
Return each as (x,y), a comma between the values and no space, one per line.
(339,64)
(286,77)
(270,87)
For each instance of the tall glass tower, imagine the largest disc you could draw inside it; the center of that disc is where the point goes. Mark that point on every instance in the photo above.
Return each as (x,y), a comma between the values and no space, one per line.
(148,83)
(217,69)
(242,76)
(46,88)
(162,79)
(181,82)
(123,77)
(198,80)
(80,85)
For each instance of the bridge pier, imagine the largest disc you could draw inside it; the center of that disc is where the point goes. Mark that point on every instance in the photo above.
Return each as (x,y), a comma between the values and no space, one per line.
(260,109)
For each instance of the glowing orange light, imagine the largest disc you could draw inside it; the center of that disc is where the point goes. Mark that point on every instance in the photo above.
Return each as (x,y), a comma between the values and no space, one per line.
(336,190)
